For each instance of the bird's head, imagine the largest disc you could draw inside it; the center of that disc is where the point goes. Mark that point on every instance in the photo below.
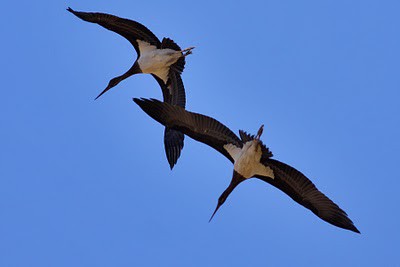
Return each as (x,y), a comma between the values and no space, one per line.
(114,81)
(236,180)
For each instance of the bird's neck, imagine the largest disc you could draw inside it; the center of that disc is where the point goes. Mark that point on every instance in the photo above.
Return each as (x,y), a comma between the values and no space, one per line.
(135,69)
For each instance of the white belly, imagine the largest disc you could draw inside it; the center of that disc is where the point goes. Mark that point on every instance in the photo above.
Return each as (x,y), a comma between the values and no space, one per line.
(246,165)
(156,61)
(247,160)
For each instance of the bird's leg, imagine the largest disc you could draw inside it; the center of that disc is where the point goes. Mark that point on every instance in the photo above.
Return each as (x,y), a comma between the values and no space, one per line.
(187,51)
(259,133)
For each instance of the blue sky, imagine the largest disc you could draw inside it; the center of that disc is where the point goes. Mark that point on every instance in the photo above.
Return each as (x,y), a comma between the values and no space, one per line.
(86,183)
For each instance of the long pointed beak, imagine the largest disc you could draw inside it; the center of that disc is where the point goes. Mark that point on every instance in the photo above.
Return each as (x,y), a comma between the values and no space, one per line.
(105,90)
(215,211)
(236,179)
(114,81)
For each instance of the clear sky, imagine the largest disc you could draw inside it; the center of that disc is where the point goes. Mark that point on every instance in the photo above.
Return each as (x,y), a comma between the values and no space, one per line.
(86,183)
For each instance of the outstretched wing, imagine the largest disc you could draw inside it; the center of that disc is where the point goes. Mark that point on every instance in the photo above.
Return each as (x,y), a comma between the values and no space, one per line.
(304,192)
(173,93)
(127,28)
(197,126)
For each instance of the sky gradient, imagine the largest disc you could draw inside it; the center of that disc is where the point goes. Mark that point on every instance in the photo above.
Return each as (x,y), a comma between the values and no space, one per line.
(87,183)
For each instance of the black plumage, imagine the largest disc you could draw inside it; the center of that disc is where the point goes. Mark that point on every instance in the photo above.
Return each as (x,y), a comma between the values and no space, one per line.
(172,87)
(286,178)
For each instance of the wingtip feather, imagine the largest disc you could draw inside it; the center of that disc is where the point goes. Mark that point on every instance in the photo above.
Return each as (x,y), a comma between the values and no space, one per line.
(173,143)
(353,228)
(69,9)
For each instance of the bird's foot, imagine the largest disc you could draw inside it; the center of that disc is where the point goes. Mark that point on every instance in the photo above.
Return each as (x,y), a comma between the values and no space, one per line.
(187,51)
(259,133)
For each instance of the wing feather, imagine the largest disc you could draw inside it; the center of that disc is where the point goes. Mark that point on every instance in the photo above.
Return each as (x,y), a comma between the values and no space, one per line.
(173,93)
(127,28)
(303,191)
(197,126)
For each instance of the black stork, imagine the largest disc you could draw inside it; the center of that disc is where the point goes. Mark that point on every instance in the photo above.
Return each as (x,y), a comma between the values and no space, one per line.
(164,60)
(251,158)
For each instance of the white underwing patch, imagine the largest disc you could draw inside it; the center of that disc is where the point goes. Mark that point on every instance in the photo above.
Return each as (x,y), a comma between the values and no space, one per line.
(233,150)
(145,47)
